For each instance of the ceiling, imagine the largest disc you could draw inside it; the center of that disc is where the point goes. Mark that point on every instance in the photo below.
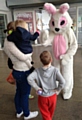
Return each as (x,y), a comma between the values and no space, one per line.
(14,4)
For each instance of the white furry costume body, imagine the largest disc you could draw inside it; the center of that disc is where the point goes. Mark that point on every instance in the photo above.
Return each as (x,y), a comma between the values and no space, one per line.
(64,43)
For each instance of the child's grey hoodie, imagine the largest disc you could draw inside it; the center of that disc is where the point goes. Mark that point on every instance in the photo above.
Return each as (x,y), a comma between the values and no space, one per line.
(46,80)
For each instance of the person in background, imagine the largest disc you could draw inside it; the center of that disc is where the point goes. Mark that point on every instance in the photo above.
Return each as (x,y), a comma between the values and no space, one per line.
(20,72)
(43,80)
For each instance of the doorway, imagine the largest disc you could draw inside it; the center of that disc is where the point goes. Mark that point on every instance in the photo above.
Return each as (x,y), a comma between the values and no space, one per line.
(80,26)
(3,23)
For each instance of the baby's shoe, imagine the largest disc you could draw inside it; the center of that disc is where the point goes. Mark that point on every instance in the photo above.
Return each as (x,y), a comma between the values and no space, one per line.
(19,115)
(31,115)
(31,96)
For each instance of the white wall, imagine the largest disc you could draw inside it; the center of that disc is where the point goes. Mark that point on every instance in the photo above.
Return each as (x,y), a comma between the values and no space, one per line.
(5,10)
(3,5)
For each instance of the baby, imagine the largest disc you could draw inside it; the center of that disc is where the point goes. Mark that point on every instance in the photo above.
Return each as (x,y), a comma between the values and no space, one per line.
(23,38)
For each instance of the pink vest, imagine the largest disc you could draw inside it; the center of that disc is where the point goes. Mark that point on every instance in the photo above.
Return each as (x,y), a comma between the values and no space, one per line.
(59,46)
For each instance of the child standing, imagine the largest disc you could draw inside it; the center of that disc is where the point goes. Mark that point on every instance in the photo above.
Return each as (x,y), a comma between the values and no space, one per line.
(43,80)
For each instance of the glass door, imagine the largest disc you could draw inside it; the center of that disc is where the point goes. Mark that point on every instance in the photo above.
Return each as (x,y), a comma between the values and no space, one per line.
(3,23)
(80,26)
(73,14)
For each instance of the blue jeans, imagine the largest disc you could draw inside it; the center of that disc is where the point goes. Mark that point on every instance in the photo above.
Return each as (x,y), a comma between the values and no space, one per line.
(22,92)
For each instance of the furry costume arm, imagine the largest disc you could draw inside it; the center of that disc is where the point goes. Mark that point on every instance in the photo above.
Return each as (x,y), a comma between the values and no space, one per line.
(72,48)
(47,37)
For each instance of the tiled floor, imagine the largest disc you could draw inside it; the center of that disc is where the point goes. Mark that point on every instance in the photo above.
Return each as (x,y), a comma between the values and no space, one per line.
(65,110)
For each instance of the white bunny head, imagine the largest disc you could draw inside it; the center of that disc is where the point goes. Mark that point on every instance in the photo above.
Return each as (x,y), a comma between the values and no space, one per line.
(60,19)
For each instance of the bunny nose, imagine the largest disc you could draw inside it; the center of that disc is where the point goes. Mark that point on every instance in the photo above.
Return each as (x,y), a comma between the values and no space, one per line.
(57,29)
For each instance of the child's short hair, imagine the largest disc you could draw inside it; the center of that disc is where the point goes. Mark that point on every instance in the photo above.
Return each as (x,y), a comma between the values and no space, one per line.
(21,23)
(45,57)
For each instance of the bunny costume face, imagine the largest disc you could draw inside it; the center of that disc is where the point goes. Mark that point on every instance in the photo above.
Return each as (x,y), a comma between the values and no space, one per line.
(60,19)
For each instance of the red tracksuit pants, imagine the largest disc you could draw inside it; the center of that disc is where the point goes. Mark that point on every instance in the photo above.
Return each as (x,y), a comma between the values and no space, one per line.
(47,106)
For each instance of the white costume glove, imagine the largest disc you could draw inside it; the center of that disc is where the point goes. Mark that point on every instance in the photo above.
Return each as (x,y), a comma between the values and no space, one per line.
(65,59)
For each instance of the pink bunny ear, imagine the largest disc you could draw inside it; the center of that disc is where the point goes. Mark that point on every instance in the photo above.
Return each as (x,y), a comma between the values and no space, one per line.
(64,7)
(50,8)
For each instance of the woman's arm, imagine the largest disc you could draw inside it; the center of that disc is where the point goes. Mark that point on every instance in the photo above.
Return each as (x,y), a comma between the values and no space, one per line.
(15,51)
(31,80)
(34,36)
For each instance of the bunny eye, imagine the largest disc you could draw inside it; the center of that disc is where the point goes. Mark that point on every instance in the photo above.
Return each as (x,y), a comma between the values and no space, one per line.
(53,23)
(62,22)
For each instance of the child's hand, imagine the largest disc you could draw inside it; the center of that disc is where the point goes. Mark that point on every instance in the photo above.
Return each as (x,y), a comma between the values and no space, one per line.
(38,31)
(57,91)
(39,92)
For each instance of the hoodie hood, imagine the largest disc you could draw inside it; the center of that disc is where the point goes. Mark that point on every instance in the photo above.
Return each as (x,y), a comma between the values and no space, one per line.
(47,72)
(19,34)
